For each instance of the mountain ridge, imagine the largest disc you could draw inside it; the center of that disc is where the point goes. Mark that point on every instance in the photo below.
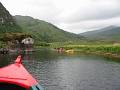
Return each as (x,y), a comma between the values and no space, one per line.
(45,31)
(7,23)
(108,33)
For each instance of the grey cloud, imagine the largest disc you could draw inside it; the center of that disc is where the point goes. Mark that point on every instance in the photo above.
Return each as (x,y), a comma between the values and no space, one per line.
(91,25)
(75,16)
(93,14)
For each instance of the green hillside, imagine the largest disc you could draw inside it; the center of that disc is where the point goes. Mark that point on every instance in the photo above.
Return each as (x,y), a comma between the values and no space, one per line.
(7,23)
(111,33)
(44,31)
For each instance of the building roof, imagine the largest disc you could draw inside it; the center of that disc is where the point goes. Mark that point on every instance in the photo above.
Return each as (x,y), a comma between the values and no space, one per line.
(28,41)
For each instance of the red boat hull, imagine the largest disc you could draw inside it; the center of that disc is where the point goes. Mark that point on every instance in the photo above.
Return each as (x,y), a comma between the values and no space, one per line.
(16,74)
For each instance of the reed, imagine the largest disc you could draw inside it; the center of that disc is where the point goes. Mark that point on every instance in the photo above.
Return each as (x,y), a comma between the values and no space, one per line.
(95,48)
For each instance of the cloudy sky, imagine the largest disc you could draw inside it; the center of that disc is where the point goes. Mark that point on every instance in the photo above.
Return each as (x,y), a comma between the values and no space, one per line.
(71,15)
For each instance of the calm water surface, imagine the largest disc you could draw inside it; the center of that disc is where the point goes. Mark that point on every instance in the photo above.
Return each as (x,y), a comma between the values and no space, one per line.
(60,71)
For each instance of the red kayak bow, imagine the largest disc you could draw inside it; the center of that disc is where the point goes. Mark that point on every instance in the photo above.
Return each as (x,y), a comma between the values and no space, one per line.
(16,74)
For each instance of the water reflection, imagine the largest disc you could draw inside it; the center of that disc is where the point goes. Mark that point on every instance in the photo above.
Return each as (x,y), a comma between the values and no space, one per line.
(7,59)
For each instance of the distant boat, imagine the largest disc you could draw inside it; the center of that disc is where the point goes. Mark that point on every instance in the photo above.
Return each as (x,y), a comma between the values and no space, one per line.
(69,51)
(16,77)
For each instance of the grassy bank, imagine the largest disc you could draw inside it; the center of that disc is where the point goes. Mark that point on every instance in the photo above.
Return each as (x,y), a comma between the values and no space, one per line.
(105,50)
(100,48)
(2,44)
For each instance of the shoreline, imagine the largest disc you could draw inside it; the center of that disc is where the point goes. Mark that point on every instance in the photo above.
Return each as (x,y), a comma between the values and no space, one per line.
(105,54)
(110,51)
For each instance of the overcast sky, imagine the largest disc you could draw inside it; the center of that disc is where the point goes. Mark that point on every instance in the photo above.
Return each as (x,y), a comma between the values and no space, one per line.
(71,15)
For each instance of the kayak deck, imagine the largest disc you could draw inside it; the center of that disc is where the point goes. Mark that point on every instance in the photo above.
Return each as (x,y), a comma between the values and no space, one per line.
(16,75)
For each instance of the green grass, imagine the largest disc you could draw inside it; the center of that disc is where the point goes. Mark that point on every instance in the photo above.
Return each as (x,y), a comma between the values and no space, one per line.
(95,48)
(100,48)
(43,31)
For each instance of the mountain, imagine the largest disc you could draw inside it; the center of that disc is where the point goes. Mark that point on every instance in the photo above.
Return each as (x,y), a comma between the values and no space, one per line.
(107,33)
(7,23)
(44,31)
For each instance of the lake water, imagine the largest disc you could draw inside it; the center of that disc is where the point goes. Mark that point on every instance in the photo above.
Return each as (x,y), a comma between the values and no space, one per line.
(62,71)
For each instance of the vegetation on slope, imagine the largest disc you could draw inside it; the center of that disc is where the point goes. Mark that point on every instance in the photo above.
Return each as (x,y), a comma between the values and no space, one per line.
(7,23)
(111,33)
(9,30)
(44,31)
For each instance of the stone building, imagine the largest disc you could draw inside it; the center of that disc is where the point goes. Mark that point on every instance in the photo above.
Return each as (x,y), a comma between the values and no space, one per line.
(27,43)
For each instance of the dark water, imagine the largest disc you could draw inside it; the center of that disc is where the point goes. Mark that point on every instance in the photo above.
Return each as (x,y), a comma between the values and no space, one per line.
(58,71)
